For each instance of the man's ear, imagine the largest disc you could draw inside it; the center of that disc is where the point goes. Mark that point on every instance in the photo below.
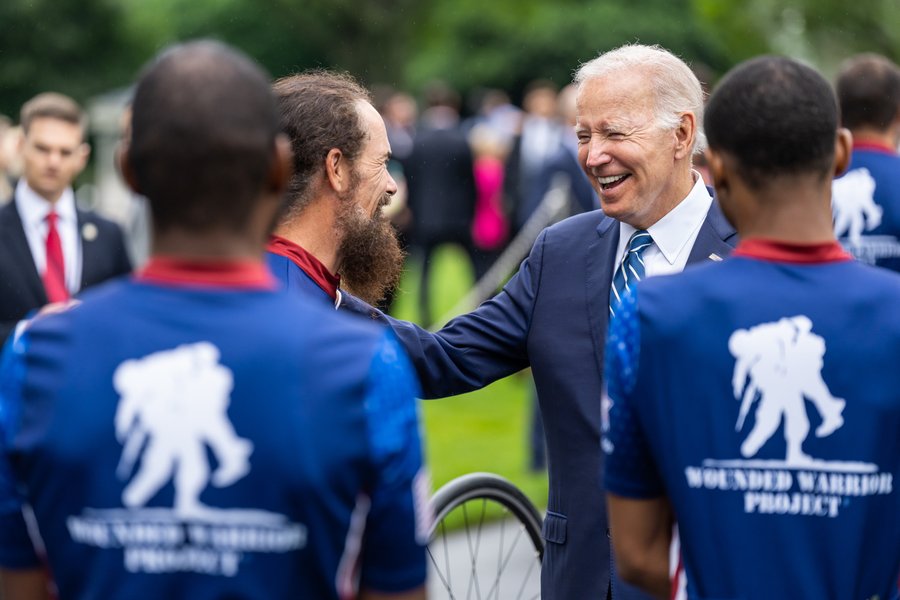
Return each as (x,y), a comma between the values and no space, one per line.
(684,135)
(716,165)
(843,148)
(337,170)
(84,152)
(281,168)
(123,151)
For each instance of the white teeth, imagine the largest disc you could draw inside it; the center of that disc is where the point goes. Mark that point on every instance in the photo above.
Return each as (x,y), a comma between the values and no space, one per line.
(608,180)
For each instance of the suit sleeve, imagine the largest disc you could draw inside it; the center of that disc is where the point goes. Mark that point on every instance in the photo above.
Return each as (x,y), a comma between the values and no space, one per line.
(630,469)
(398,522)
(482,346)
(16,549)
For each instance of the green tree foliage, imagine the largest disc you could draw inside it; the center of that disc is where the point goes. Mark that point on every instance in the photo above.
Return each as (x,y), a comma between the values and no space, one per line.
(507,43)
(77,47)
(84,47)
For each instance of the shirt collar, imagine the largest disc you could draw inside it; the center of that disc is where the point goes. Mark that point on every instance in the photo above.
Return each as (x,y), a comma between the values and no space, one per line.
(177,272)
(672,232)
(788,252)
(875,147)
(312,266)
(34,208)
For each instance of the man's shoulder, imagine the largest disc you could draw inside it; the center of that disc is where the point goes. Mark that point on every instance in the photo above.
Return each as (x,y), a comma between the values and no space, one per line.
(103,224)
(580,224)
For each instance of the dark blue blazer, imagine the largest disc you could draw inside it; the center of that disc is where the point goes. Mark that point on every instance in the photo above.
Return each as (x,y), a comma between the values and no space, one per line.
(103,256)
(552,316)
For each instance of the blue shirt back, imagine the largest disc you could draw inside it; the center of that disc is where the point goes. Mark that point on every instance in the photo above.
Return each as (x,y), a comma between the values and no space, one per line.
(208,442)
(762,398)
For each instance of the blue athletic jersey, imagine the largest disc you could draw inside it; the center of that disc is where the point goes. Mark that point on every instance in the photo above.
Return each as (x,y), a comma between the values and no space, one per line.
(211,441)
(762,398)
(866,206)
(295,279)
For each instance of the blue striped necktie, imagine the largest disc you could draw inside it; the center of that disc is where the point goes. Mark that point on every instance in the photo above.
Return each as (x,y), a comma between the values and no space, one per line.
(631,269)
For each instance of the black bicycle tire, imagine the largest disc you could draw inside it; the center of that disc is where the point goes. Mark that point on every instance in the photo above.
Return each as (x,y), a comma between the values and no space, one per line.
(493,487)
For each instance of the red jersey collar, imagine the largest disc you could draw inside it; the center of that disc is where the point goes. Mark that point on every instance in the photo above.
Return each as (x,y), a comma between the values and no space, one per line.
(875,147)
(311,265)
(243,274)
(787,252)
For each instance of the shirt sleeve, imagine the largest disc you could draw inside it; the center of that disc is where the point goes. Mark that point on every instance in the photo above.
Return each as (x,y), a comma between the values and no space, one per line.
(16,549)
(629,467)
(399,519)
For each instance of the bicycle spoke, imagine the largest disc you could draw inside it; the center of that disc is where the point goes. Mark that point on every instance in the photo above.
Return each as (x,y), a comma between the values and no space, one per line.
(485,528)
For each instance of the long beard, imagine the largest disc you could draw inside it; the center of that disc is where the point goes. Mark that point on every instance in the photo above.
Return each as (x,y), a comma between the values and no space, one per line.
(371,257)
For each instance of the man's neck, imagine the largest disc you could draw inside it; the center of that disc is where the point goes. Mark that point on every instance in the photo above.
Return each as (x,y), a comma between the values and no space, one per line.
(50,198)
(210,246)
(314,231)
(806,219)
(874,137)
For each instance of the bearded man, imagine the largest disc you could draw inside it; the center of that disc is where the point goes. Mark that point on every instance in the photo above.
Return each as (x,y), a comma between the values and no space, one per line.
(331,233)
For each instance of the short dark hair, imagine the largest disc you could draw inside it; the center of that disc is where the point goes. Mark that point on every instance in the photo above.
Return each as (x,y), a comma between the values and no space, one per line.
(776,116)
(54,106)
(203,134)
(868,89)
(319,112)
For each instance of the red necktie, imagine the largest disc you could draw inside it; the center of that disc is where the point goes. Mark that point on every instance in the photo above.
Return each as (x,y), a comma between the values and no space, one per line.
(55,274)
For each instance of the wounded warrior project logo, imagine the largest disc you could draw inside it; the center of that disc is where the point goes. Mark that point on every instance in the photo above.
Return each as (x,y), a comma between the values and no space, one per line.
(856,212)
(778,367)
(173,408)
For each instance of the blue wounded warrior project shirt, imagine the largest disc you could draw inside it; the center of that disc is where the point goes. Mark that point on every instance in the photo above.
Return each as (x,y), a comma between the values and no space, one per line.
(866,205)
(761,395)
(196,433)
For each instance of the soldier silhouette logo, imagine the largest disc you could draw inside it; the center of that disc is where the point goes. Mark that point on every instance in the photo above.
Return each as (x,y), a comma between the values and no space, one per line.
(173,406)
(780,364)
(853,205)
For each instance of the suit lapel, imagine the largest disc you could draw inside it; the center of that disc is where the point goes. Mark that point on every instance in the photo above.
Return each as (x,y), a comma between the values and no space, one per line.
(716,237)
(600,261)
(20,253)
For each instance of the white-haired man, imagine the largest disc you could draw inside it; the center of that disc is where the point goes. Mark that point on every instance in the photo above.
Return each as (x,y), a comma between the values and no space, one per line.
(638,124)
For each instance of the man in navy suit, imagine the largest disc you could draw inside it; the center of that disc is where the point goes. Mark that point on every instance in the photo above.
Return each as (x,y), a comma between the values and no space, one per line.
(638,124)
(49,249)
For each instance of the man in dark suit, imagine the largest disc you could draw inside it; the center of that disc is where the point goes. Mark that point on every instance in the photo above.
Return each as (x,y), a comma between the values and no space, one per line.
(440,180)
(635,143)
(49,249)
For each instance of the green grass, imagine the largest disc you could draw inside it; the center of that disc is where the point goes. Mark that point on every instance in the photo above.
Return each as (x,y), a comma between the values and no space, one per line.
(485,430)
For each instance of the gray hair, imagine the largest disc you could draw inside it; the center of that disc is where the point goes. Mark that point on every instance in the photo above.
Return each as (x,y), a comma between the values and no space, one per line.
(676,87)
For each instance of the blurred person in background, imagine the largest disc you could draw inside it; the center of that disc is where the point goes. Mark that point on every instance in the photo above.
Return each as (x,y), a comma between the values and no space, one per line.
(440,180)
(6,182)
(866,200)
(490,229)
(539,137)
(50,249)
(400,113)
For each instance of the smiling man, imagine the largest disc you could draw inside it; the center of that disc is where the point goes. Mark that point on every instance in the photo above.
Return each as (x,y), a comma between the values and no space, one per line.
(49,249)
(332,233)
(639,111)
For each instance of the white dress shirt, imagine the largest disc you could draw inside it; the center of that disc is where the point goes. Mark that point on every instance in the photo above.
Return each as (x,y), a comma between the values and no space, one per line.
(33,210)
(673,235)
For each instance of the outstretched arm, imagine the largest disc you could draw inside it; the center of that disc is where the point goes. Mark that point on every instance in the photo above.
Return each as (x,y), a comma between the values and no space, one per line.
(477,348)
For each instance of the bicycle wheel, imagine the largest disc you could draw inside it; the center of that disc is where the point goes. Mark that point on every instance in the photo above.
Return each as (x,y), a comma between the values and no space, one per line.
(486,541)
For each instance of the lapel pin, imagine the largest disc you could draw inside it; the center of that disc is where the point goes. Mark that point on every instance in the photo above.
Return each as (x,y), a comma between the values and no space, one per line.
(89,232)
(715,257)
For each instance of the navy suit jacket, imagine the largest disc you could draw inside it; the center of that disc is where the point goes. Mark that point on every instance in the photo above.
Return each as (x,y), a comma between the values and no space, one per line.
(21,288)
(552,316)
